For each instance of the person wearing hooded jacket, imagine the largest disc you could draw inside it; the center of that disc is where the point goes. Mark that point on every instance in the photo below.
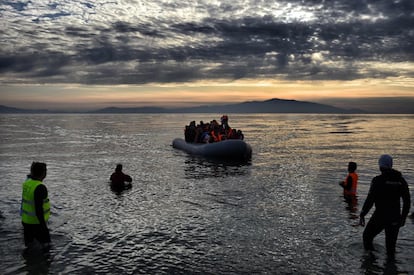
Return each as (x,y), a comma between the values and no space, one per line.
(385,193)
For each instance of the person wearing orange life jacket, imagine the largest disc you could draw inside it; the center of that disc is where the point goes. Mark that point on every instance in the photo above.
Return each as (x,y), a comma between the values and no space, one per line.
(351,182)
(35,207)
(216,135)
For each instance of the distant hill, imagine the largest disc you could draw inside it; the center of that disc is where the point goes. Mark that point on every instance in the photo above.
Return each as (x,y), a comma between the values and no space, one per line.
(268,106)
(131,110)
(12,110)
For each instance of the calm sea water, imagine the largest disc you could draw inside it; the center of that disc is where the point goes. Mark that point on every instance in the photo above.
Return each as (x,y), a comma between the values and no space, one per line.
(282,213)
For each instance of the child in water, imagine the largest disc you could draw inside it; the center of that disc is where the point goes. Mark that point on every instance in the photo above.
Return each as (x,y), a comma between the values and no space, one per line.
(350,183)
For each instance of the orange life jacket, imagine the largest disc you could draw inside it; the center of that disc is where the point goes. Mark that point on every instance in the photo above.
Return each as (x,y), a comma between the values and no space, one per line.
(353,190)
(217,137)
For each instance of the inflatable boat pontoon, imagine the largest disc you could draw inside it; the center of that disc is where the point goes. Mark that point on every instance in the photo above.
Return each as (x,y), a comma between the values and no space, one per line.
(231,149)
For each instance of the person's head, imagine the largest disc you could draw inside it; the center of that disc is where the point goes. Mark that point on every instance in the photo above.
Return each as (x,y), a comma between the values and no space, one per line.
(38,171)
(352,166)
(385,162)
(118,168)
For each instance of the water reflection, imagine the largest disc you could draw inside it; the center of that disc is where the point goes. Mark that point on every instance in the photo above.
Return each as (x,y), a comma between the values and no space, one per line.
(36,260)
(118,190)
(371,264)
(282,214)
(352,206)
(199,168)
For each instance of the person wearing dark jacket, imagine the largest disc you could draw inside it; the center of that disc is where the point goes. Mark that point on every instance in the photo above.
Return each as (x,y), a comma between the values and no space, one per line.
(118,178)
(385,193)
(35,207)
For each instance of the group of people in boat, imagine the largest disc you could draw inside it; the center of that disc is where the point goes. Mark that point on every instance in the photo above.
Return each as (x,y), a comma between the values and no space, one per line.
(211,132)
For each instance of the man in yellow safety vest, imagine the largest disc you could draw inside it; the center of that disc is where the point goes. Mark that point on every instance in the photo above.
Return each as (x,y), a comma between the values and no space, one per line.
(35,207)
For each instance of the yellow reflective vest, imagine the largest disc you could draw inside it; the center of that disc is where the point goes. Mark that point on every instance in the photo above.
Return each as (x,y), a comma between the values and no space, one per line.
(28,210)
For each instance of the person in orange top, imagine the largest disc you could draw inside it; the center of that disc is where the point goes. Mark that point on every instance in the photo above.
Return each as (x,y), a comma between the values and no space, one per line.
(351,182)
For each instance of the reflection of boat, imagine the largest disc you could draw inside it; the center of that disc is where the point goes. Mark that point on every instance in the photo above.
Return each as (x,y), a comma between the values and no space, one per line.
(203,168)
(231,149)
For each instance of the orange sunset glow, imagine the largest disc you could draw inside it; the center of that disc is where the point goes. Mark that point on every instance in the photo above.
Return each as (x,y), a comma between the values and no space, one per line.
(197,93)
(150,54)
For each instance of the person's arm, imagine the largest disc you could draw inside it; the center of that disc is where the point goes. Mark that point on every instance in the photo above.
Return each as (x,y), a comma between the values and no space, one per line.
(348,185)
(369,202)
(127,178)
(40,194)
(406,201)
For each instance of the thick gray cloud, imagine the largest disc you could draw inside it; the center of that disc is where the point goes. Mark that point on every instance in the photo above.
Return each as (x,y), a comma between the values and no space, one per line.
(127,42)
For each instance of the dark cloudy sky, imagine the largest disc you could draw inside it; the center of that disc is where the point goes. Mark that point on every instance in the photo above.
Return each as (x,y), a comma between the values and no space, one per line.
(86,52)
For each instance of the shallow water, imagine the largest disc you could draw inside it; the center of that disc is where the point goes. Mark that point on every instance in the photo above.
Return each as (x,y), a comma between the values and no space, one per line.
(282,213)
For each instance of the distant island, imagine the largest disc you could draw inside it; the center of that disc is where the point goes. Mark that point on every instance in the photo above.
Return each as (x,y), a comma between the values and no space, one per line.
(274,105)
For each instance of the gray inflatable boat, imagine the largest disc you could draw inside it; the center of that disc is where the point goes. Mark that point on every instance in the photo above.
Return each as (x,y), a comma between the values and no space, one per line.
(231,149)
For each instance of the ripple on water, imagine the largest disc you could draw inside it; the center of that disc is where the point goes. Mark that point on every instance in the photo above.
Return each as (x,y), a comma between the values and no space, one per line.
(281,213)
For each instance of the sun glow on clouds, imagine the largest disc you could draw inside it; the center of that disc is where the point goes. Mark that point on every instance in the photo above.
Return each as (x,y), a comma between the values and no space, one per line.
(182,52)
(87,97)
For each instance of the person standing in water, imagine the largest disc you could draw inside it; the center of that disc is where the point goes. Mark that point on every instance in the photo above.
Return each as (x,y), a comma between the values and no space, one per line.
(35,207)
(349,186)
(385,192)
(351,182)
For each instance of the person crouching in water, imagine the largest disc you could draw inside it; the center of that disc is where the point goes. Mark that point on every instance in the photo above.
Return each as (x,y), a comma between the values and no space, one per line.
(385,192)
(35,207)
(119,179)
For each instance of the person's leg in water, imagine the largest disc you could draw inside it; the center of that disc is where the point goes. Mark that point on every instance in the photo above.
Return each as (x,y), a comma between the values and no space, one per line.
(28,234)
(391,235)
(34,232)
(372,229)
